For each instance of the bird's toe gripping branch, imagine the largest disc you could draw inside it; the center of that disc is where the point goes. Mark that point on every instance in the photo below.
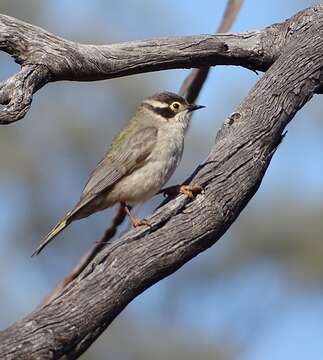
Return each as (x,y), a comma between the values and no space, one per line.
(190,190)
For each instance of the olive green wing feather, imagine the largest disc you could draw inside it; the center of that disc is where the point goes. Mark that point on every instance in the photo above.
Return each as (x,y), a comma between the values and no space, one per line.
(127,153)
(122,159)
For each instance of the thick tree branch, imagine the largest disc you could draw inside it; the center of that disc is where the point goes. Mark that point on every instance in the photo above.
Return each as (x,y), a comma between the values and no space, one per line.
(181,228)
(45,57)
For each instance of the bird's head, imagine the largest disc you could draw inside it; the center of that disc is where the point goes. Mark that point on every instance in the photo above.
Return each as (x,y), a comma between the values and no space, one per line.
(169,107)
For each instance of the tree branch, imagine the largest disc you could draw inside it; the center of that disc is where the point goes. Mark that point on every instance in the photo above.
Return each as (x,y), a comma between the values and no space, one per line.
(88,257)
(192,85)
(45,57)
(182,228)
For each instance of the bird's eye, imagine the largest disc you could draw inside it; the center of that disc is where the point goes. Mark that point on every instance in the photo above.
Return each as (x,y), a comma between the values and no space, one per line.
(175,106)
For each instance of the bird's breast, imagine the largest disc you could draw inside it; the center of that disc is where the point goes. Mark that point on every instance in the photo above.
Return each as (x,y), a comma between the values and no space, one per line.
(147,180)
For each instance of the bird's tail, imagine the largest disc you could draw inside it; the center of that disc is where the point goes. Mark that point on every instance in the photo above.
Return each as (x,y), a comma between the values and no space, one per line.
(60,226)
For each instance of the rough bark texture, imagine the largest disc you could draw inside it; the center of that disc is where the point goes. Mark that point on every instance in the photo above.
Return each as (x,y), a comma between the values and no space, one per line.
(45,57)
(231,175)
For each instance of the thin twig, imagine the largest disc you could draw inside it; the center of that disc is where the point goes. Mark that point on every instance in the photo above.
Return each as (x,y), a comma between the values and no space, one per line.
(193,83)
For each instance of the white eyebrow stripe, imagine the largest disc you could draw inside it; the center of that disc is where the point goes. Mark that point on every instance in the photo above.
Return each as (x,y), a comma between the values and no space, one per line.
(156,103)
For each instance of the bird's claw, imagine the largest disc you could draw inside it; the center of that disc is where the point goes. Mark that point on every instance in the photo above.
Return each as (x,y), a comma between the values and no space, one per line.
(189,190)
(134,221)
(142,222)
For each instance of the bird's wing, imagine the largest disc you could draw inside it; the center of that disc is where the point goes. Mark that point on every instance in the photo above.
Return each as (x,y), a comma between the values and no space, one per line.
(121,160)
(127,154)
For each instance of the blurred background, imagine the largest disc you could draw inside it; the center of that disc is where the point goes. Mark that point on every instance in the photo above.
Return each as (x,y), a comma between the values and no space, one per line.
(256,294)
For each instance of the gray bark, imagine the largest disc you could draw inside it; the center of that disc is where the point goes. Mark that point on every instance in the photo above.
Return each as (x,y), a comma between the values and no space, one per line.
(182,228)
(45,57)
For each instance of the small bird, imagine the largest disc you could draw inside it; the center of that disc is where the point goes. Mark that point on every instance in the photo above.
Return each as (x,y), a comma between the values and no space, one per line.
(141,159)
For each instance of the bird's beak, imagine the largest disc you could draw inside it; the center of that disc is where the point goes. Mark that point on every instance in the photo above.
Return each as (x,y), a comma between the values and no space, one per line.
(193,107)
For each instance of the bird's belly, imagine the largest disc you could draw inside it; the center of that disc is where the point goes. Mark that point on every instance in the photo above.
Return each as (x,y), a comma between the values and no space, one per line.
(142,184)
(146,181)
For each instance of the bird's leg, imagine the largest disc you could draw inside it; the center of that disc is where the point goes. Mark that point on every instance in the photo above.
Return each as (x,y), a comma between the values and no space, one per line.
(190,190)
(134,221)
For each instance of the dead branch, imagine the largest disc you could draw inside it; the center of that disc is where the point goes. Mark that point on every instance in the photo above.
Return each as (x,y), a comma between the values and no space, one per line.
(45,58)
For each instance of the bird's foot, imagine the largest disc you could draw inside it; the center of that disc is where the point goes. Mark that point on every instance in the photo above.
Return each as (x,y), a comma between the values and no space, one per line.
(190,190)
(135,222)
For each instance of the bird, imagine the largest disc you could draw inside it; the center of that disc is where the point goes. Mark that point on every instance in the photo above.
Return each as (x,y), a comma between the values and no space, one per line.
(140,160)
